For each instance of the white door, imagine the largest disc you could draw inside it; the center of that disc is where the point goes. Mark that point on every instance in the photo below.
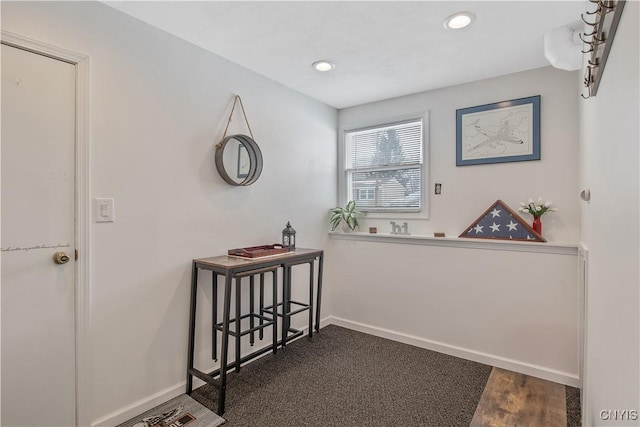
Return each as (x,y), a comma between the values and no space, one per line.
(38,295)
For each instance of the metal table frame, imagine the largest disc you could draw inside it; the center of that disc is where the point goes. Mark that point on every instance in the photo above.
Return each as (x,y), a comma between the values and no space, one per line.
(235,267)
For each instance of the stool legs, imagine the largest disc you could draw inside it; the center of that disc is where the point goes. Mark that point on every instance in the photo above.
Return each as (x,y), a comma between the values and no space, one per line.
(287,301)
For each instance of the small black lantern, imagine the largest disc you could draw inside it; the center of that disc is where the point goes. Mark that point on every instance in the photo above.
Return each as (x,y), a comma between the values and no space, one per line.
(289,237)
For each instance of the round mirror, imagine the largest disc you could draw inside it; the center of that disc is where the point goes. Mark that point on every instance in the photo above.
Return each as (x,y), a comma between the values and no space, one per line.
(239,160)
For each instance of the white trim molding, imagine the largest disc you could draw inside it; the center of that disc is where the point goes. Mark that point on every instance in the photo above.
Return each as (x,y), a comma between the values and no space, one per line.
(139,407)
(583,260)
(82,210)
(456,242)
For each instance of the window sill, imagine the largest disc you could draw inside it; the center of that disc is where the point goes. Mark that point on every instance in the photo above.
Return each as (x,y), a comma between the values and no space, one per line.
(456,242)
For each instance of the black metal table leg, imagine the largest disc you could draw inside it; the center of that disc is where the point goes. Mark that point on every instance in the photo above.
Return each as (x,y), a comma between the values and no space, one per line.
(274,307)
(286,304)
(238,320)
(225,344)
(319,298)
(192,326)
(251,312)
(261,297)
(214,315)
(311,265)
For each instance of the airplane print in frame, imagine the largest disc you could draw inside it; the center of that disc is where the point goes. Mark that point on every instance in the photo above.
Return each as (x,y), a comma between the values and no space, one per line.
(507,131)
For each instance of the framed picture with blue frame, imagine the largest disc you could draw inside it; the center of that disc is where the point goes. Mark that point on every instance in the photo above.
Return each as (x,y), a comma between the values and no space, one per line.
(507,131)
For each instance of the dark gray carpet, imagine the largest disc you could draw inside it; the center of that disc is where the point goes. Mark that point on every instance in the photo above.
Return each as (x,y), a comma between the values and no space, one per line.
(347,378)
(574,411)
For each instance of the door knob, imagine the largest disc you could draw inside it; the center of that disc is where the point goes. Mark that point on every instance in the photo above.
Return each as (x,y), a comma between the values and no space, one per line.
(60,258)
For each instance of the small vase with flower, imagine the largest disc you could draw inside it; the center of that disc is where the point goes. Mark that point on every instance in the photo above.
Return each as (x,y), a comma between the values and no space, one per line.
(537,209)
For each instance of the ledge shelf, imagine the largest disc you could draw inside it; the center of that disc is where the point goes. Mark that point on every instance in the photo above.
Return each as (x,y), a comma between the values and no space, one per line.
(457,242)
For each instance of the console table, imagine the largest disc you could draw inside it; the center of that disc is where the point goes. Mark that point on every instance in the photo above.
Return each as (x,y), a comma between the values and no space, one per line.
(232,267)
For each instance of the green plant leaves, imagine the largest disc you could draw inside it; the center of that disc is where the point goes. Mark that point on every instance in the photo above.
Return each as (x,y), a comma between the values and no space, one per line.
(347,214)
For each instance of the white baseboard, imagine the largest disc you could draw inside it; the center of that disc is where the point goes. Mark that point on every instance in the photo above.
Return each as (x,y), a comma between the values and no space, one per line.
(464,353)
(142,405)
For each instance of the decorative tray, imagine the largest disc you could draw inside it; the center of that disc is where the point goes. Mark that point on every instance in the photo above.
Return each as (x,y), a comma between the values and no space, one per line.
(259,251)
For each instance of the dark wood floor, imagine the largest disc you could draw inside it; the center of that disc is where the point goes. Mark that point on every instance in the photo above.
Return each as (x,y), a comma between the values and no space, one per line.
(512,399)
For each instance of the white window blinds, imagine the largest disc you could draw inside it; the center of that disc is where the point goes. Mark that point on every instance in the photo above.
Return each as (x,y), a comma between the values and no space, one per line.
(383,166)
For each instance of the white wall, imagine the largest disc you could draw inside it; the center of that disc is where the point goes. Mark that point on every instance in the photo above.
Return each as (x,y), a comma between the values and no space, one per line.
(468,190)
(515,309)
(495,305)
(158,107)
(609,145)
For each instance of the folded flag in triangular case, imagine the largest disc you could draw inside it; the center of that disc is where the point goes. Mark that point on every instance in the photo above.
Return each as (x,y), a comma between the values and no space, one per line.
(500,222)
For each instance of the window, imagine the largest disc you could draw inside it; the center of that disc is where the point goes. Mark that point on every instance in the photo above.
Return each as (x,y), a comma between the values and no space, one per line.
(383,167)
(366,194)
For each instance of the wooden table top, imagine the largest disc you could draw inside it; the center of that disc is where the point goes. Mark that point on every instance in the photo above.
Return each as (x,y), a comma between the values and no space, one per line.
(230,262)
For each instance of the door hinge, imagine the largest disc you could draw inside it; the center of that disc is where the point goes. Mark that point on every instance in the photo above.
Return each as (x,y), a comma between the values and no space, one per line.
(76,252)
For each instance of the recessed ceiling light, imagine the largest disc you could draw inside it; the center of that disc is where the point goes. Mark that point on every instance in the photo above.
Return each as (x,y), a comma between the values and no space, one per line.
(459,20)
(323,65)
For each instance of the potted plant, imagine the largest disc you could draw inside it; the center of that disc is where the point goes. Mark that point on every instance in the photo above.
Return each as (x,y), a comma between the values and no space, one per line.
(348,214)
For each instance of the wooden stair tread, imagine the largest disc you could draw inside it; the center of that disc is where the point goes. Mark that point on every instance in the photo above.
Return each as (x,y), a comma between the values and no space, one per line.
(517,400)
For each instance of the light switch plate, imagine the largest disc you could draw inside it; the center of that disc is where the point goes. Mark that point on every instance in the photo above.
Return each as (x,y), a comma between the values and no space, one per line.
(104,210)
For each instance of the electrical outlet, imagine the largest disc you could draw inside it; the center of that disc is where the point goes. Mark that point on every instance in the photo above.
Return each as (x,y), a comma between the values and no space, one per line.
(438,189)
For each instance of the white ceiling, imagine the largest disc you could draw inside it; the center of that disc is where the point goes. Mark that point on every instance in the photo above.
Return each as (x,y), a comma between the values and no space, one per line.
(381,49)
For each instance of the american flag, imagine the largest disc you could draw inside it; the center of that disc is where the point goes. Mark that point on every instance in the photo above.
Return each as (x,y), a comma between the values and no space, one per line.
(500,222)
